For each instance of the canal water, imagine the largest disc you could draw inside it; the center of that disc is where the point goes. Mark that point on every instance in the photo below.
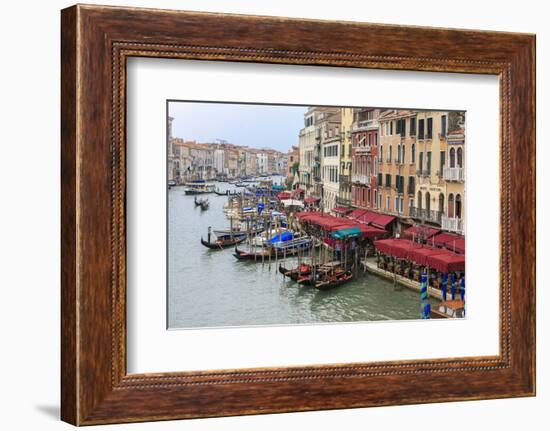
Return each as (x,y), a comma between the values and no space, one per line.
(211,288)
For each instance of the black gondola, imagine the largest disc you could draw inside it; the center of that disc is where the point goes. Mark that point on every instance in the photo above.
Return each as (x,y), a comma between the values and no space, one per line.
(333,280)
(245,255)
(295,273)
(222,242)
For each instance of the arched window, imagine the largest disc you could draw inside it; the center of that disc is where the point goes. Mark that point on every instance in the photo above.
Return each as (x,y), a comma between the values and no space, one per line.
(459,157)
(452,158)
(390,154)
(403,154)
(368,167)
(451,206)
(441,203)
(419,200)
(427,201)
(413,154)
(458,206)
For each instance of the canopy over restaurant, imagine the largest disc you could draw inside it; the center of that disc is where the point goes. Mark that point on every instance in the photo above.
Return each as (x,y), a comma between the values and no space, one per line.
(372,218)
(311,200)
(447,262)
(447,240)
(420,232)
(332,223)
(439,259)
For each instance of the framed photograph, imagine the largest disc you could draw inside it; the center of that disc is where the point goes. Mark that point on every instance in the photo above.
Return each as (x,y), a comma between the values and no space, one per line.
(266,215)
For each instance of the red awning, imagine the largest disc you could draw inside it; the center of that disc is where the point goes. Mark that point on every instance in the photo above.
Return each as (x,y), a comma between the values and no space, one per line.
(304,215)
(356,213)
(446,262)
(283,195)
(423,231)
(341,210)
(385,245)
(382,220)
(367,217)
(442,239)
(456,245)
(297,192)
(420,255)
(311,199)
(403,247)
(371,231)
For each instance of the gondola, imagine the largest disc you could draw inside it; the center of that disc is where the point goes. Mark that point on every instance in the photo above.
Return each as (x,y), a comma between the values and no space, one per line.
(199,202)
(222,242)
(205,205)
(332,280)
(295,273)
(227,193)
(245,255)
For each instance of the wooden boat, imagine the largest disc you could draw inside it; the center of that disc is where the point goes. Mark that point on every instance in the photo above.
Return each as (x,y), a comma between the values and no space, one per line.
(205,205)
(249,255)
(448,310)
(199,202)
(223,242)
(278,250)
(319,273)
(331,280)
(295,273)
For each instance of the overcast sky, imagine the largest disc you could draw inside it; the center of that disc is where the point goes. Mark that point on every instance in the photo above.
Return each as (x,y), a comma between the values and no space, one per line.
(257,126)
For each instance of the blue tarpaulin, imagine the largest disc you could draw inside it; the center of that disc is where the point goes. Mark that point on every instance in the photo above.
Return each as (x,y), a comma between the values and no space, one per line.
(285,236)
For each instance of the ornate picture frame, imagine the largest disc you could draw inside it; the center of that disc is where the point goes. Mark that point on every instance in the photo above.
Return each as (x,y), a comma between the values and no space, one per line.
(96,41)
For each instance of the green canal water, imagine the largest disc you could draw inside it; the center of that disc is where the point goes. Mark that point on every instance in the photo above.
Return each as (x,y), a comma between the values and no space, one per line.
(210,288)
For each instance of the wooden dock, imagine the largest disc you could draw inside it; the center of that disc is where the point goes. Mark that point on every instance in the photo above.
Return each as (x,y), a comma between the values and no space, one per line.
(370,266)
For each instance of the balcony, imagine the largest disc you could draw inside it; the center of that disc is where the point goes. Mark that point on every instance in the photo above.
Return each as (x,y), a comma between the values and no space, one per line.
(453,174)
(363,149)
(363,179)
(452,224)
(365,125)
(432,216)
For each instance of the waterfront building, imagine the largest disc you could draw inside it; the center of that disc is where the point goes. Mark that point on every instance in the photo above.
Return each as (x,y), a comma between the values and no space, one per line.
(293,162)
(251,162)
(454,174)
(219,161)
(262,163)
(326,155)
(306,148)
(397,162)
(330,165)
(430,189)
(170,153)
(181,161)
(365,151)
(439,192)
(345,186)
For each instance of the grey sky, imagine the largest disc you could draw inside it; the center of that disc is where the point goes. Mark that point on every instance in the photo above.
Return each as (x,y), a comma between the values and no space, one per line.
(257,126)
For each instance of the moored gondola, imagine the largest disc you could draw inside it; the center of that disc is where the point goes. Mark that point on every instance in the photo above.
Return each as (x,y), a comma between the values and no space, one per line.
(295,273)
(332,280)
(249,255)
(223,242)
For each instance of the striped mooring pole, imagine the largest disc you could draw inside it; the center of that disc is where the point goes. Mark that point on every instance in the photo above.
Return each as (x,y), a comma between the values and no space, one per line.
(425,305)
(444,287)
(453,286)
